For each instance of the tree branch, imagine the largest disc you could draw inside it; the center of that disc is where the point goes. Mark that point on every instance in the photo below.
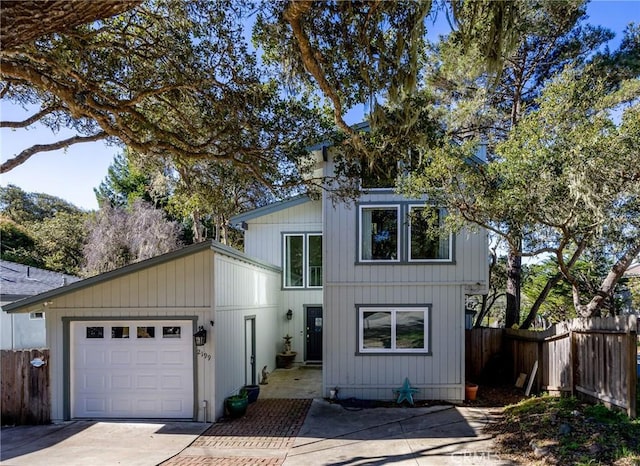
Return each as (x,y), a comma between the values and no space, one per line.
(293,15)
(25,154)
(23,21)
(31,120)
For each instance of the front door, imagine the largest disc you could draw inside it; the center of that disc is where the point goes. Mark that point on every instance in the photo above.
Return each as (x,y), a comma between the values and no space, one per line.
(314,333)
(250,350)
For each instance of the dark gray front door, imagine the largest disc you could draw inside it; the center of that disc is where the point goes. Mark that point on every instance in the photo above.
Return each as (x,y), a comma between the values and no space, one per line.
(314,333)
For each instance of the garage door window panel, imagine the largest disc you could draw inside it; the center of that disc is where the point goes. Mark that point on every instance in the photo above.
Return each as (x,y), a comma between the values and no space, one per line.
(95,332)
(119,332)
(171,332)
(146,332)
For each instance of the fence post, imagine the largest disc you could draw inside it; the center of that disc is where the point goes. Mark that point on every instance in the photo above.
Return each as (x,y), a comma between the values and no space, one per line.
(632,382)
(573,361)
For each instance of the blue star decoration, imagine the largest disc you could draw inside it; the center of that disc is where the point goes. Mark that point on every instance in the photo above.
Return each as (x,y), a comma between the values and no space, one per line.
(406,392)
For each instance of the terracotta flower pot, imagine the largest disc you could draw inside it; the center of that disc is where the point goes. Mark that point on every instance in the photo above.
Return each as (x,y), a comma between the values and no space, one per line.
(470,391)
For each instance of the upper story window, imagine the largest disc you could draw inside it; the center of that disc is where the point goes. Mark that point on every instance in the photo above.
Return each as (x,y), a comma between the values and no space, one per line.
(402,233)
(426,240)
(302,260)
(379,226)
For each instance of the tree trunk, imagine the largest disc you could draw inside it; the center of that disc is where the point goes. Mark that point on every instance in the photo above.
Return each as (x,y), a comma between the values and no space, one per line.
(514,278)
(198,230)
(533,312)
(553,281)
(609,283)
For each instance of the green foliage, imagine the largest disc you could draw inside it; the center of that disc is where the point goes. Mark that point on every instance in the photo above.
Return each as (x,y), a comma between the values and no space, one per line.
(60,240)
(17,244)
(633,284)
(170,79)
(23,207)
(124,183)
(41,230)
(589,273)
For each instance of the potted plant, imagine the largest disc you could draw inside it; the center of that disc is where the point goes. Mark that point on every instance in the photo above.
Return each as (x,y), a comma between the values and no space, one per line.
(252,392)
(285,359)
(236,405)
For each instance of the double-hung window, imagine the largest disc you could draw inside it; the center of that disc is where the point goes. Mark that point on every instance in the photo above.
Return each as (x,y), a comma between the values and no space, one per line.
(393,329)
(302,260)
(402,233)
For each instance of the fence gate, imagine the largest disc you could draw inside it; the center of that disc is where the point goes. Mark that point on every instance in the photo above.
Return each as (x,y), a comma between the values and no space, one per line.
(25,387)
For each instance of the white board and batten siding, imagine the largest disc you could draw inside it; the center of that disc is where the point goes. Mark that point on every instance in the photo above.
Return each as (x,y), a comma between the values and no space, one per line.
(263,237)
(442,286)
(263,240)
(199,285)
(163,293)
(244,290)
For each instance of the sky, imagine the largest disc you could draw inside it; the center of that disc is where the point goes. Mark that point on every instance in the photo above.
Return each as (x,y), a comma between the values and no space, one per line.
(72,174)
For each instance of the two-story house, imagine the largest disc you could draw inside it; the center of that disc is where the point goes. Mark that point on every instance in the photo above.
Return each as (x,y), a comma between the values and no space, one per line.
(374,294)
(363,287)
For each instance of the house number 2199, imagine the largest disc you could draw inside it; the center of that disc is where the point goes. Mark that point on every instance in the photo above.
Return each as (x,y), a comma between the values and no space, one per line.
(206,356)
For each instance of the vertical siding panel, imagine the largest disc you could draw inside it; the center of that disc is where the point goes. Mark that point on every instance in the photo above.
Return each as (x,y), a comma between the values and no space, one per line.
(170,270)
(134,290)
(143,288)
(152,292)
(162,290)
(197,279)
(188,281)
(179,282)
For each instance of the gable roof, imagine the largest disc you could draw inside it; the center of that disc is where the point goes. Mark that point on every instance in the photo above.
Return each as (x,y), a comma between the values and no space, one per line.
(18,306)
(19,281)
(269,209)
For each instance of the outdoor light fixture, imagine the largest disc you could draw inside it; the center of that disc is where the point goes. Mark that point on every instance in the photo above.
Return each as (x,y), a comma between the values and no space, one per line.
(289,314)
(200,336)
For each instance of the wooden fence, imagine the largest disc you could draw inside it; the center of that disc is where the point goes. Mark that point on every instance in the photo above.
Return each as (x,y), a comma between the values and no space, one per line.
(24,387)
(591,358)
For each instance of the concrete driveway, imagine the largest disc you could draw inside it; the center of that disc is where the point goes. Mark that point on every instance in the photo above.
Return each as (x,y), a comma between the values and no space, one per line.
(273,432)
(438,435)
(96,443)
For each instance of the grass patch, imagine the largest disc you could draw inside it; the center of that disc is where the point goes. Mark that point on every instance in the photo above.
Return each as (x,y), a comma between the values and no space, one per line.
(554,430)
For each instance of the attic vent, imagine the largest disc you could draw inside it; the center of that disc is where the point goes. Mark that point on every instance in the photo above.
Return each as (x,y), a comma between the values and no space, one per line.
(38,315)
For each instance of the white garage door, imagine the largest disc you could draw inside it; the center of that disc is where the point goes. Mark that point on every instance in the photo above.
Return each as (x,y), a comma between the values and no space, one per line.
(132,369)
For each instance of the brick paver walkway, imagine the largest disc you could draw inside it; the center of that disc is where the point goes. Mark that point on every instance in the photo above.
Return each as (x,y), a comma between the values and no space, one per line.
(270,424)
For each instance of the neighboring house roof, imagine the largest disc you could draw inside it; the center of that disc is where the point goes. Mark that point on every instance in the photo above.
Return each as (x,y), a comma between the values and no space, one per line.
(633,270)
(192,249)
(269,209)
(18,281)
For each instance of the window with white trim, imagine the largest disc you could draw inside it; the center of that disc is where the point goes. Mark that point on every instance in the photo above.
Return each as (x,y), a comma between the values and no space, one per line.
(393,329)
(403,233)
(379,226)
(302,264)
(427,242)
